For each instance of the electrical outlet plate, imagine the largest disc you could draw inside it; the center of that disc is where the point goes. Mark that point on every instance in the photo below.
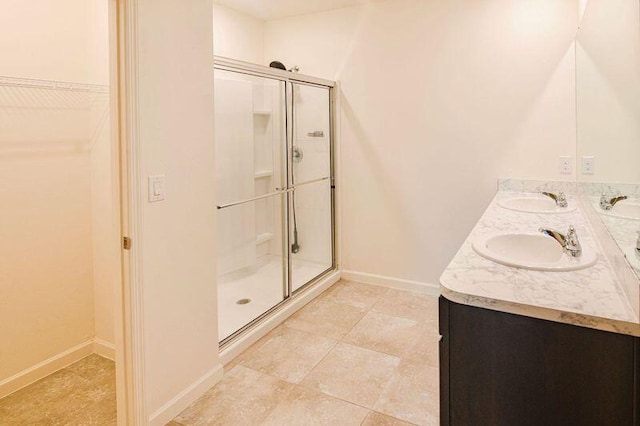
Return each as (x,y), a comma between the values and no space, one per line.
(588,165)
(565,165)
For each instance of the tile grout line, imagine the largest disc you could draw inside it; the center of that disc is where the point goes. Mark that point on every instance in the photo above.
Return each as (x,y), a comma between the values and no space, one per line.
(386,415)
(285,398)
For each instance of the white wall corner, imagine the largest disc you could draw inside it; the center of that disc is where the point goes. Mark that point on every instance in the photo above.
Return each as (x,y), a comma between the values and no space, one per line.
(398,283)
(187,397)
(104,349)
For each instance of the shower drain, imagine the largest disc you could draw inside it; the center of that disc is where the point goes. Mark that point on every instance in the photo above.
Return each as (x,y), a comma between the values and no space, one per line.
(243,301)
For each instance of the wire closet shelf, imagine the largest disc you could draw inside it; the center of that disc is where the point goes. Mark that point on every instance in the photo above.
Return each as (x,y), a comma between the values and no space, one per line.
(32,83)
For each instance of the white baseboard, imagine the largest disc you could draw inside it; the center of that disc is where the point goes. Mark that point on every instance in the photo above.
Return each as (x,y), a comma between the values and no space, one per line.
(104,349)
(417,286)
(185,398)
(55,363)
(45,368)
(250,337)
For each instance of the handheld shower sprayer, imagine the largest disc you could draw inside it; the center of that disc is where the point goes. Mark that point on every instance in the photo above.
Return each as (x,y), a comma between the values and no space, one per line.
(296,157)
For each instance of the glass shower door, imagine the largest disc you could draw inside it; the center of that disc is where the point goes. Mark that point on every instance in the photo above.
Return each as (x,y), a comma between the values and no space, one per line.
(310,200)
(250,118)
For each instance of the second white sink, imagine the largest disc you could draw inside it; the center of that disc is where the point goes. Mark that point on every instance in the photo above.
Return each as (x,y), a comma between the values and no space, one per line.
(624,210)
(533,251)
(534,205)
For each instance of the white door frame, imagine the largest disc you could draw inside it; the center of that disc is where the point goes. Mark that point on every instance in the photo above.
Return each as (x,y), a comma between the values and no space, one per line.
(123,24)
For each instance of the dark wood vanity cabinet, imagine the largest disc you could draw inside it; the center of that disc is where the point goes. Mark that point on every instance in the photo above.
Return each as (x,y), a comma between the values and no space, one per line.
(504,369)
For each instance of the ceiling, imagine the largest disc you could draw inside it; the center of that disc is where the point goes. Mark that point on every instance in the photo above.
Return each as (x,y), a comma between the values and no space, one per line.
(275,9)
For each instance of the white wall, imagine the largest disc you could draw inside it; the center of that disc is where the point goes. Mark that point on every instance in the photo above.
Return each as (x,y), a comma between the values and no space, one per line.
(46,300)
(178,234)
(104,218)
(44,39)
(47,169)
(438,100)
(237,35)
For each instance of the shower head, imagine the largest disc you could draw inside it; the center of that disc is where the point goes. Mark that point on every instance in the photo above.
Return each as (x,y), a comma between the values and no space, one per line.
(277,64)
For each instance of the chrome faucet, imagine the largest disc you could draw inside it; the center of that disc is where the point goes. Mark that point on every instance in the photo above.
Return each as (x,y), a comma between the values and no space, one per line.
(569,242)
(607,203)
(560,198)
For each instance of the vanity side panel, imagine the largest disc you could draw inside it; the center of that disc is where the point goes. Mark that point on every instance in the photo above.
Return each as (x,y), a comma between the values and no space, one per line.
(506,369)
(443,321)
(636,379)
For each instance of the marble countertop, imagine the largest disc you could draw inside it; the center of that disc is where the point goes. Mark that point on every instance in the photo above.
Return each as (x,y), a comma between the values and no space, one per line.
(592,297)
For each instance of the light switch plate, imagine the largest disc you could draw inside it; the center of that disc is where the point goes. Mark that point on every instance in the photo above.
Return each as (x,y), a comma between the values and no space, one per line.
(565,165)
(156,188)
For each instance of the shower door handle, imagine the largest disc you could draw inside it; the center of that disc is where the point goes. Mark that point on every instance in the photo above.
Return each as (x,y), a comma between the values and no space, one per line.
(248,200)
(298,185)
(279,191)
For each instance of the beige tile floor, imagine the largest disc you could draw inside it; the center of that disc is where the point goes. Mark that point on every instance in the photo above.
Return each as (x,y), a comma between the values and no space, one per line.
(83,393)
(357,355)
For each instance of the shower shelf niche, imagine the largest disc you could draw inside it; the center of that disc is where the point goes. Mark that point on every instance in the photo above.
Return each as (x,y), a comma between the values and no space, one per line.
(266,134)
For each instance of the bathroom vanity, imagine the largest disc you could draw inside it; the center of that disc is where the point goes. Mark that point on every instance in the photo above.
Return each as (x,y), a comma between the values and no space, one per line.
(537,346)
(505,369)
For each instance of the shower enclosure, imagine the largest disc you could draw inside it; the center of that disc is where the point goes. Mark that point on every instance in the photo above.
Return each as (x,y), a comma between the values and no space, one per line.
(275,191)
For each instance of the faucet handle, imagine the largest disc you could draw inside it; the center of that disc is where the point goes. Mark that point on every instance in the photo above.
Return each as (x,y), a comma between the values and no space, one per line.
(573,243)
(562,200)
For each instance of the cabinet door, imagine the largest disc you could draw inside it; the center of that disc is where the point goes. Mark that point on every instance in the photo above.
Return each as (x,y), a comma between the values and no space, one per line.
(506,369)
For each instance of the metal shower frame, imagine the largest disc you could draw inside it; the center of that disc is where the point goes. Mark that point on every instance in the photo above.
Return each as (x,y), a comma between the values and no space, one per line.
(232,65)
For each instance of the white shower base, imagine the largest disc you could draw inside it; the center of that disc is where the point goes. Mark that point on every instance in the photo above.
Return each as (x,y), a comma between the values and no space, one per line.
(263,285)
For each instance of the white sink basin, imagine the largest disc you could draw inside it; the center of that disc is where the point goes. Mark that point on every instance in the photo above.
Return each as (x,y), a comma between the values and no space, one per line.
(624,210)
(531,251)
(534,205)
